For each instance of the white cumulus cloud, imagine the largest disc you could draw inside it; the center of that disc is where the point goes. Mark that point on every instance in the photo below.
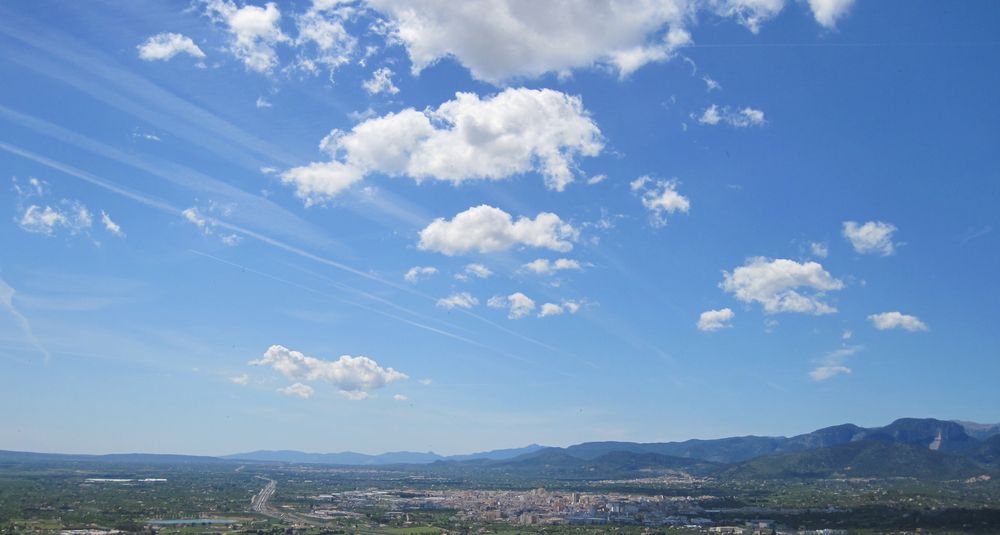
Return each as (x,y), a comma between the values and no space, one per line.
(498,40)
(380,82)
(826,12)
(254,32)
(71,216)
(459,300)
(416,273)
(897,320)
(749,13)
(819,249)
(660,197)
(353,377)
(543,266)
(517,304)
(873,237)
(487,229)
(713,320)
(323,41)
(164,46)
(739,118)
(778,285)
(515,132)
(478,271)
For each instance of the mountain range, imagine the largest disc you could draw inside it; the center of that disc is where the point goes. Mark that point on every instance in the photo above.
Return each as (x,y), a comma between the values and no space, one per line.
(908,447)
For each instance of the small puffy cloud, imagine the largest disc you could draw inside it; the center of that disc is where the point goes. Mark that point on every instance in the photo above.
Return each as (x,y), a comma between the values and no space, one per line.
(515,132)
(819,250)
(487,229)
(713,320)
(353,377)
(660,197)
(459,300)
(254,32)
(323,41)
(822,373)
(262,103)
(550,309)
(425,382)
(478,271)
(739,118)
(826,12)
(297,389)
(380,82)
(241,379)
(873,237)
(846,335)
(111,226)
(596,179)
(71,216)
(543,266)
(749,13)
(193,216)
(416,273)
(400,397)
(897,320)
(553,309)
(778,285)
(517,304)
(164,46)
(710,84)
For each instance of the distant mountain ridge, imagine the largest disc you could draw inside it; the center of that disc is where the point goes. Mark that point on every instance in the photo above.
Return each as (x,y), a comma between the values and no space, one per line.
(908,447)
(349,458)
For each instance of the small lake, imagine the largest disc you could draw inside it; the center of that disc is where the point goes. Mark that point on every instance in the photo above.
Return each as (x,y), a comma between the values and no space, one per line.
(192,521)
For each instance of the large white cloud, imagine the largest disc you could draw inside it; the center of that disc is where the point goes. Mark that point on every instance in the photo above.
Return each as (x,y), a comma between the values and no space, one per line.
(354,377)
(164,46)
(778,285)
(713,320)
(873,237)
(254,31)
(469,138)
(826,12)
(502,39)
(487,229)
(897,320)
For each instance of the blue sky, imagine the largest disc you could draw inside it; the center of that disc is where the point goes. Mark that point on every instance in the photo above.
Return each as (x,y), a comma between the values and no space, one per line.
(461,226)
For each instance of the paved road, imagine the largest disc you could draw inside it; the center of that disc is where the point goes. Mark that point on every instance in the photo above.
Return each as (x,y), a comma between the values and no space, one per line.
(259,504)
